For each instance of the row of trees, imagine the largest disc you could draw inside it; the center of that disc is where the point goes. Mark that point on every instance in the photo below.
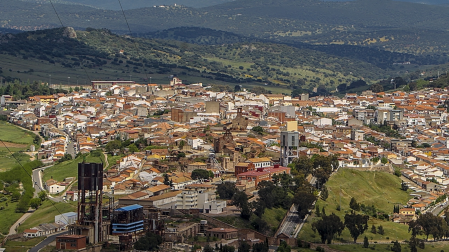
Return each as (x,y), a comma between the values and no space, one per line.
(330,226)
(23,90)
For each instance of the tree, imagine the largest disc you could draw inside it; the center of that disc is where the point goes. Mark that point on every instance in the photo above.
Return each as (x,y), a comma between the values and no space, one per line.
(166,179)
(396,246)
(113,145)
(384,160)
(35,203)
(380,230)
(240,200)
(133,148)
(15,196)
(373,229)
(283,247)
(208,248)
(365,242)
(258,129)
(324,193)
(304,165)
(244,247)
(357,224)
(196,247)
(200,174)
(181,155)
(227,248)
(260,247)
(42,195)
(376,88)
(317,210)
(328,227)
(303,199)
(237,88)
(149,242)
(226,190)
(354,205)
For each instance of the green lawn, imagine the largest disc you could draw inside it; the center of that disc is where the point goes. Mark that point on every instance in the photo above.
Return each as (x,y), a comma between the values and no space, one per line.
(14,134)
(274,216)
(67,169)
(9,215)
(22,246)
(369,188)
(112,160)
(16,139)
(7,161)
(429,247)
(46,213)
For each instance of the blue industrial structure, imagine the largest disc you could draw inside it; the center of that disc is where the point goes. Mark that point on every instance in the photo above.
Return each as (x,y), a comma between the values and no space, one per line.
(127,219)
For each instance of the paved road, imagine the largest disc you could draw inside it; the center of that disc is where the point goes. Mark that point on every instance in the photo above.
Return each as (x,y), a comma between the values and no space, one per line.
(290,223)
(47,241)
(37,179)
(437,210)
(71,149)
(12,229)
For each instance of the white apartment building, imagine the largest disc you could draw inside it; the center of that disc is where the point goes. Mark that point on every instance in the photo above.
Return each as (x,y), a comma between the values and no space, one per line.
(202,197)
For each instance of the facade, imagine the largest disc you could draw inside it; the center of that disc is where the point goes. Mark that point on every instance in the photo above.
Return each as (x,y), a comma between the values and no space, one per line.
(289,146)
(261,174)
(66,218)
(239,122)
(223,142)
(71,242)
(223,233)
(127,219)
(202,197)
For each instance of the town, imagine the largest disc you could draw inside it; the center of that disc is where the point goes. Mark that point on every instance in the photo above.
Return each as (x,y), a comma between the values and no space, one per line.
(181,167)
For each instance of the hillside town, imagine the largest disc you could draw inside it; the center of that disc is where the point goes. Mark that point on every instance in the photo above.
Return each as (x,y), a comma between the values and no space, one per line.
(166,148)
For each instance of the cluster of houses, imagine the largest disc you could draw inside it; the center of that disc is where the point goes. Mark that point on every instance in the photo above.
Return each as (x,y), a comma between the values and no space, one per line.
(191,127)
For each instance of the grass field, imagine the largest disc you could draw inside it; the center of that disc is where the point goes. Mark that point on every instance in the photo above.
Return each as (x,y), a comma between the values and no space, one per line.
(14,134)
(46,213)
(7,161)
(16,139)
(67,169)
(9,215)
(274,217)
(369,188)
(429,247)
(112,160)
(22,246)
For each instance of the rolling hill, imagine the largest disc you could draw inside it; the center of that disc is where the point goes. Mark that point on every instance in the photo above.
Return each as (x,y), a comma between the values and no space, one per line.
(95,54)
(384,24)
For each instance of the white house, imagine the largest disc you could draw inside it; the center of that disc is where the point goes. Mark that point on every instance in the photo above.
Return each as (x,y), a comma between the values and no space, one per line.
(53,189)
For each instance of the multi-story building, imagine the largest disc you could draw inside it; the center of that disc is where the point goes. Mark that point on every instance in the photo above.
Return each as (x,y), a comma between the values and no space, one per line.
(202,197)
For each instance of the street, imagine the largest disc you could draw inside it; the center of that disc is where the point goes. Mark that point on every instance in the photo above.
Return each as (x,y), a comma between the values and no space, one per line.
(290,223)
(71,149)
(37,179)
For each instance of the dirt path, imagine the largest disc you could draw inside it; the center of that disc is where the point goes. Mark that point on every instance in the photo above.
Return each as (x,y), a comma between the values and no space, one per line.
(13,145)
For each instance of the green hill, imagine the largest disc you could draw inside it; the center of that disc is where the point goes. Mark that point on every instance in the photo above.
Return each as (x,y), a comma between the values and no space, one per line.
(378,189)
(94,54)
(384,24)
